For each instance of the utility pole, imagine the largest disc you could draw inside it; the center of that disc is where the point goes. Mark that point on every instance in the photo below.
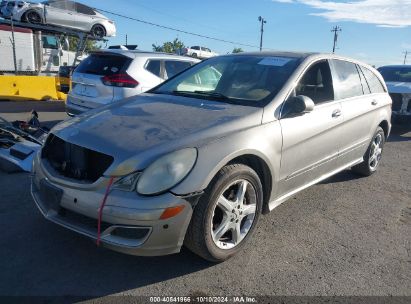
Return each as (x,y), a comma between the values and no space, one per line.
(405,56)
(336,30)
(126,40)
(262,20)
(13,44)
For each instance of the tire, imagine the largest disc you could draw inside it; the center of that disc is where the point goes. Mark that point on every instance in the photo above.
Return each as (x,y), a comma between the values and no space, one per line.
(194,55)
(205,234)
(372,157)
(33,17)
(98,31)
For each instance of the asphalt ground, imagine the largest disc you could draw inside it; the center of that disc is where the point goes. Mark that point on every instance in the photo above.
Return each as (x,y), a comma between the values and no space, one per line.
(347,236)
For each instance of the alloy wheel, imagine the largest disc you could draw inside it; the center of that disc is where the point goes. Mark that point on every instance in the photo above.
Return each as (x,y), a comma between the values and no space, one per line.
(33,17)
(375,152)
(234,214)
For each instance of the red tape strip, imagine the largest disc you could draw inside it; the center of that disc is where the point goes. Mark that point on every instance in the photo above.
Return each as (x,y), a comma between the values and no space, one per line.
(100,211)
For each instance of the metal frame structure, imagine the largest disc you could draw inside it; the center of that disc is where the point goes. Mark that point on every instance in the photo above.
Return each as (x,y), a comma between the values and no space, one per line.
(56,30)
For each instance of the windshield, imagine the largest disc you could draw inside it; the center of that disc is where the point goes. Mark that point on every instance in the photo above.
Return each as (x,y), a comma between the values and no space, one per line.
(396,74)
(245,79)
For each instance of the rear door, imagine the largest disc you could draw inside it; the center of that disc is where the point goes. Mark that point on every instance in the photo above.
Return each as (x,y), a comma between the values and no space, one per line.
(359,108)
(311,141)
(88,89)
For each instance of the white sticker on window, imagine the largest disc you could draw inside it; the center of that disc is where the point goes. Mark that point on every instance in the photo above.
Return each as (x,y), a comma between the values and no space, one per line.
(275,61)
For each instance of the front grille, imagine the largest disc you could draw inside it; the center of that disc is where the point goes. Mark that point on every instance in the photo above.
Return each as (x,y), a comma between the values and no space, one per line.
(397,102)
(91,224)
(73,161)
(83,221)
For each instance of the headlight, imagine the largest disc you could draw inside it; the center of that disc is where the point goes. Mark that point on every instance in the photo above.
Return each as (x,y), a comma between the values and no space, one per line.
(166,172)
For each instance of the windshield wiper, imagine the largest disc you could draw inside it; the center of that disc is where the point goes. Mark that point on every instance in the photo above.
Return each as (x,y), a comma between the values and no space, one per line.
(211,94)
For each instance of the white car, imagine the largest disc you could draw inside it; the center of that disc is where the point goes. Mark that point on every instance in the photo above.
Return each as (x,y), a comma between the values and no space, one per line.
(67,14)
(398,80)
(110,75)
(198,52)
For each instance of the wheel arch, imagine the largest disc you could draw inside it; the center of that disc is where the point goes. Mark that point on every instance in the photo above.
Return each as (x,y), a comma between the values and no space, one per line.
(386,127)
(99,24)
(37,11)
(263,171)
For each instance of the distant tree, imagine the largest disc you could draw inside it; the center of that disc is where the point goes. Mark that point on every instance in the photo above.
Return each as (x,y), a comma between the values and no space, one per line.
(169,46)
(237,50)
(91,45)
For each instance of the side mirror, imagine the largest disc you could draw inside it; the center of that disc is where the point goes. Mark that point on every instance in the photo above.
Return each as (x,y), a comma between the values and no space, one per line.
(298,105)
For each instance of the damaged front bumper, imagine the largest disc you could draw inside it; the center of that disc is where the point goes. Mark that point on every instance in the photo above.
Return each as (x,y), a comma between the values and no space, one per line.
(130,223)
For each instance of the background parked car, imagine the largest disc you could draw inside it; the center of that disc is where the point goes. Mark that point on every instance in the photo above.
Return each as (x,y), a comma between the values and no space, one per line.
(61,13)
(110,75)
(198,52)
(398,79)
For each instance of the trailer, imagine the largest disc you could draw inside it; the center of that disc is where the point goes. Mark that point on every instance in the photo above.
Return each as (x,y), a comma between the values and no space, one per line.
(32,54)
(39,48)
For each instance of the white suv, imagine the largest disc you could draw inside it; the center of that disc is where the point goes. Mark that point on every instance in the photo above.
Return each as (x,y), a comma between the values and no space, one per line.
(198,52)
(107,76)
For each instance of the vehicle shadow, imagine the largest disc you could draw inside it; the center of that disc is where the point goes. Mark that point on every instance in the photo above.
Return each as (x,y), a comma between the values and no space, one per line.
(343,176)
(400,133)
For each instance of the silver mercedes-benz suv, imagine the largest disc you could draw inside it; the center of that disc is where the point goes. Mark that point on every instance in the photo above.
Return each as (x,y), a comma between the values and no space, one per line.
(199,158)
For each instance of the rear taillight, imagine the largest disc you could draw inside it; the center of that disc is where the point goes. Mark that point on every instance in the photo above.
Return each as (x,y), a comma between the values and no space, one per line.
(120,80)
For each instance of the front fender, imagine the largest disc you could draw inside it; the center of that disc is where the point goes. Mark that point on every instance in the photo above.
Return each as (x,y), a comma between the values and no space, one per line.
(263,141)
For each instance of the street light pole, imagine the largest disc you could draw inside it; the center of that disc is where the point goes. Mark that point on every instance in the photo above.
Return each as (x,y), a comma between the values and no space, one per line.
(262,20)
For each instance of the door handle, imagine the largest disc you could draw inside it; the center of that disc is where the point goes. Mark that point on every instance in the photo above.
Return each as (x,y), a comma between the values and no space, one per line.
(374,102)
(336,113)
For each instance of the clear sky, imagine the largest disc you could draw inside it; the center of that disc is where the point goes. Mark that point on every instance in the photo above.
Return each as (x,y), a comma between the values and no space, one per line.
(375,31)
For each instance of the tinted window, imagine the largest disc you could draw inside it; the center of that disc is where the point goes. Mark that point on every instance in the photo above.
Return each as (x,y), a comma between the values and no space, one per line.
(396,74)
(84,9)
(347,82)
(49,42)
(195,47)
(317,83)
(66,5)
(373,81)
(252,80)
(175,67)
(99,64)
(365,87)
(153,66)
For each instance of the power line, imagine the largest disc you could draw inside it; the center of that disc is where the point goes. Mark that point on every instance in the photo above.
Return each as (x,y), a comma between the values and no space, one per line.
(176,30)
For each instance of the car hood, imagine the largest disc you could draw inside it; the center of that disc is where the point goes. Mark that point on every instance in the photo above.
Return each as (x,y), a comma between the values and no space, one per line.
(137,130)
(399,87)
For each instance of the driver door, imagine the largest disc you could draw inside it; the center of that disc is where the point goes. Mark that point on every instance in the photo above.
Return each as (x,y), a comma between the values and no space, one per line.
(310,140)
